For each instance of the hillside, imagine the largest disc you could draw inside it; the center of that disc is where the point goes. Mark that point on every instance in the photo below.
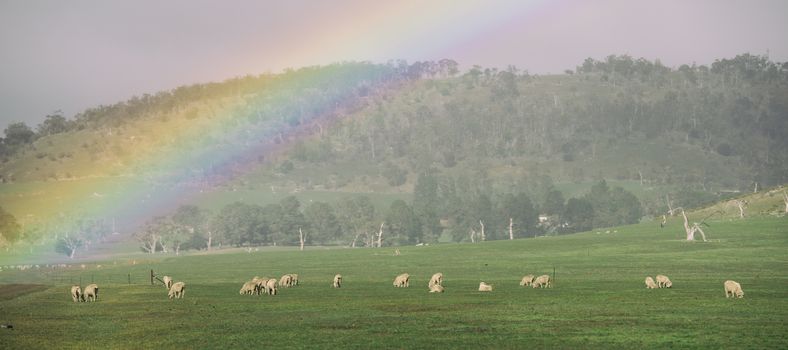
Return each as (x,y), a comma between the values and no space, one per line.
(696,134)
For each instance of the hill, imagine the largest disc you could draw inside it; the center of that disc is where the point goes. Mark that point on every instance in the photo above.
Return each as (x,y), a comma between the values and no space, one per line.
(696,134)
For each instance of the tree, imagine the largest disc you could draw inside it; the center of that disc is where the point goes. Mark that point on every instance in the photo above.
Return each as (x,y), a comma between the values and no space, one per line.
(357,217)
(240,224)
(150,234)
(613,207)
(425,205)
(54,123)
(553,203)
(19,133)
(9,228)
(195,221)
(690,230)
(323,222)
(290,221)
(579,214)
(403,224)
(518,211)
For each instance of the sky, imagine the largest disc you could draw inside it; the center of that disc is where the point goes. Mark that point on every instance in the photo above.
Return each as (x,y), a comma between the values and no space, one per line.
(72,55)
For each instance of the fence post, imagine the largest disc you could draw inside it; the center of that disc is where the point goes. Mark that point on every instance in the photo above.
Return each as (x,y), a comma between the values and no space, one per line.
(129,277)
(151,276)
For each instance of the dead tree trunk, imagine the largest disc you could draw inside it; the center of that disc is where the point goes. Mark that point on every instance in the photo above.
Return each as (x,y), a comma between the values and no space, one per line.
(301,238)
(692,229)
(670,205)
(741,204)
(785,199)
(353,244)
(210,240)
(511,231)
(380,234)
(482,236)
(473,235)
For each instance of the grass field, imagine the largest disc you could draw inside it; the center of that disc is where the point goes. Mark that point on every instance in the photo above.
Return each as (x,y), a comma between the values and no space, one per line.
(598,301)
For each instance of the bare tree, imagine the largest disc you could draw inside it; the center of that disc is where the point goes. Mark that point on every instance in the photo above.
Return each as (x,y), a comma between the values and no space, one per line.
(741,204)
(380,234)
(691,230)
(671,211)
(301,238)
(70,244)
(785,199)
(511,231)
(473,235)
(481,233)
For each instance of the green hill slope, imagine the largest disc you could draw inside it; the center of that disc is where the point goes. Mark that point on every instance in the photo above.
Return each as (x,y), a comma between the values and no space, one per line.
(358,128)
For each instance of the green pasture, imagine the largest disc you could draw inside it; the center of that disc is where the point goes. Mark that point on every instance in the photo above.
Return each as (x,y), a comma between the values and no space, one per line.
(599,299)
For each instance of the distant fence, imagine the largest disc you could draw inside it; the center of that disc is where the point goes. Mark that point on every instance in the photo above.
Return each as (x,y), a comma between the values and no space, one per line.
(80,276)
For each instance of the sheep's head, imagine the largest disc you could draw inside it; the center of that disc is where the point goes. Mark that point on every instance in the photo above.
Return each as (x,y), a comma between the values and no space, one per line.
(740,293)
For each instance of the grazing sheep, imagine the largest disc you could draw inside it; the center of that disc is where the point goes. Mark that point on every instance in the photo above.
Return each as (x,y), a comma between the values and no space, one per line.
(527,280)
(337,281)
(664,282)
(91,292)
(435,279)
(436,288)
(542,282)
(650,283)
(167,282)
(259,287)
(177,290)
(734,288)
(249,288)
(76,294)
(270,286)
(484,287)
(294,278)
(286,281)
(402,280)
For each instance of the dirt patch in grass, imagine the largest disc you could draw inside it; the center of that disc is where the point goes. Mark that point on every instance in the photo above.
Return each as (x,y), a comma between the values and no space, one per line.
(11,291)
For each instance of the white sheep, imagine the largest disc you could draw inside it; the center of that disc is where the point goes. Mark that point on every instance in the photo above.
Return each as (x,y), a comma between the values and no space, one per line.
(542,282)
(650,283)
(337,281)
(91,292)
(402,280)
(436,279)
(484,287)
(248,288)
(76,294)
(259,287)
(295,278)
(664,282)
(733,289)
(286,281)
(527,280)
(167,282)
(270,286)
(436,288)
(177,290)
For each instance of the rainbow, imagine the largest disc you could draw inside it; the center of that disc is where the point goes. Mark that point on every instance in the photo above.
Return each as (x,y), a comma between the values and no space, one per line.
(192,156)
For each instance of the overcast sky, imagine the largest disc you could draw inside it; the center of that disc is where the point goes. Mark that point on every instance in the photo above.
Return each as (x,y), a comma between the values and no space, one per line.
(71,55)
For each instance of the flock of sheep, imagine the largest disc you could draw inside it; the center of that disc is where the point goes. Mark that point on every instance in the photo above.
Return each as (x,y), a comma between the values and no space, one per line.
(732,288)
(90,293)
(265,285)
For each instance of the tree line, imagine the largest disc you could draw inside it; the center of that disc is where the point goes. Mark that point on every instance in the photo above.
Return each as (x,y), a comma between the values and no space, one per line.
(438,211)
